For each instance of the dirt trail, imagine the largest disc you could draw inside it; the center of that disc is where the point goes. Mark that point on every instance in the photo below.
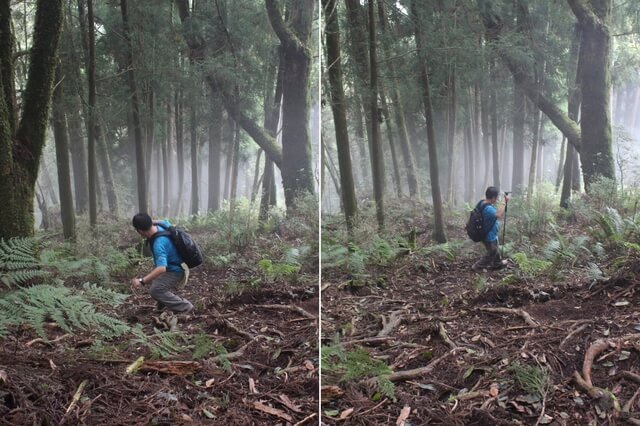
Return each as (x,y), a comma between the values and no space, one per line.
(274,379)
(444,316)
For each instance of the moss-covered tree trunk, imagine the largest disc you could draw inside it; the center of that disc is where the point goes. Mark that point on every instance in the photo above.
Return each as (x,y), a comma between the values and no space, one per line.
(594,76)
(392,141)
(297,169)
(20,150)
(439,234)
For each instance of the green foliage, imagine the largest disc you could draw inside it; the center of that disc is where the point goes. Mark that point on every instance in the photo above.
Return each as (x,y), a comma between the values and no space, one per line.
(565,250)
(203,346)
(41,303)
(162,344)
(533,379)
(18,262)
(530,267)
(449,249)
(99,294)
(355,365)
(533,217)
(273,271)
(221,352)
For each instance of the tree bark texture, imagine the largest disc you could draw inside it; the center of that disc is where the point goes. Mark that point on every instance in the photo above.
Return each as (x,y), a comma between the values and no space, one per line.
(60,135)
(215,142)
(91,119)
(297,170)
(143,204)
(438,217)
(20,152)
(195,190)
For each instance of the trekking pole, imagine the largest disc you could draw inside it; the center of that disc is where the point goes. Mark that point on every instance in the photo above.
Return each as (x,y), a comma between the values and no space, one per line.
(504,226)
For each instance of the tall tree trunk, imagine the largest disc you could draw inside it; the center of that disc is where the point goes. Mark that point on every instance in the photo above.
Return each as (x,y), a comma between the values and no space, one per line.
(20,152)
(256,177)
(560,163)
(150,136)
(166,168)
(494,129)
(438,217)
(215,141)
(470,163)
(233,187)
(195,190)
(392,144)
(179,148)
(401,125)
(573,107)
(143,204)
(486,141)
(595,78)
(107,172)
(377,163)
(67,213)
(91,122)
(451,133)
(297,170)
(517,177)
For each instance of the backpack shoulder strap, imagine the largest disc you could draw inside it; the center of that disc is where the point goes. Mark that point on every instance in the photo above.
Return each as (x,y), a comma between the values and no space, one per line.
(152,238)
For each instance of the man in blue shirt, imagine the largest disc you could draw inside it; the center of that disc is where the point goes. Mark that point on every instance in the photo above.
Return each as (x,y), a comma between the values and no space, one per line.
(491,215)
(168,272)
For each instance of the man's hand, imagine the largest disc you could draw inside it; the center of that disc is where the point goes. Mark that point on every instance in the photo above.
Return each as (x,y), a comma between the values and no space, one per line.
(135,284)
(506,198)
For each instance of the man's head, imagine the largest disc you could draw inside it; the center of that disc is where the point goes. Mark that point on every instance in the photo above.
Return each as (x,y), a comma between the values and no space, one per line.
(143,224)
(491,194)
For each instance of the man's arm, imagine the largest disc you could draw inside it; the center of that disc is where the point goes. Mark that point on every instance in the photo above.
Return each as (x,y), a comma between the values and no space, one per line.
(148,279)
(501,209)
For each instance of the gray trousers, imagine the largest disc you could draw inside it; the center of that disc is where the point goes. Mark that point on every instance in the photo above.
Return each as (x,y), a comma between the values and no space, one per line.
(162,290)
(492,258)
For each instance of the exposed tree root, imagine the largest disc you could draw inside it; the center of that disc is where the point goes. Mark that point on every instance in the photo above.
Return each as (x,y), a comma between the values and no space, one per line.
(177,368)
(46,342)
(390,323)
(572,334)
(520,312)
(289,308)
(418,372)
(235,354)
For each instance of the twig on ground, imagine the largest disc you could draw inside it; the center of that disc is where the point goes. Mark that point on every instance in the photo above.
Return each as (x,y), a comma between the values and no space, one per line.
(390,323)
(370,340)
(235,354)
(629,404)
(303,421)
(631,376)
(442,332)
(289,308)
(572,334)
(77,395)
(397,376)
(373,408)
(520,312)
(46,342)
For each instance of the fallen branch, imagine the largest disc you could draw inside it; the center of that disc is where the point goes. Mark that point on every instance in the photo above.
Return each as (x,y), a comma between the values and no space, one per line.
(631,376)
(370,340)
(289,308)
(397,376)
(520,312)
(77,395)
(177,368)
(273,411)
(442,332)
(235,354)
(303,421)
(390,323)
(329,393)
(629,403)
(46,342)
(572,334)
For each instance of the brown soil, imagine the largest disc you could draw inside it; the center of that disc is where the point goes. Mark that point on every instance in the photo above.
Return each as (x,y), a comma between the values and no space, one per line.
(40,380)
(432,291)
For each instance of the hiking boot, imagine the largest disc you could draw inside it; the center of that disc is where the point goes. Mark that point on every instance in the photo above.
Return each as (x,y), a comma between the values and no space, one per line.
(159,308)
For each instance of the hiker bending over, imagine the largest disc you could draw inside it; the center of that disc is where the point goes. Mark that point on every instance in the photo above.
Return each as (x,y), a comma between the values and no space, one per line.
(490,215)
(168,272)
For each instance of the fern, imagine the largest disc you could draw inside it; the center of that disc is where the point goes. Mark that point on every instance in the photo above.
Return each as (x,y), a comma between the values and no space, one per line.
(203,346)
(99,294)
(18,262)
(530,267)
(36,305)
(222,353)
(163,344)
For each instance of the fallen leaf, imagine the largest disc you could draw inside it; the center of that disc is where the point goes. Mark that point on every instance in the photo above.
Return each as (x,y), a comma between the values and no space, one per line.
(273,411)
(476,337)
(346,413)
(53,365)
(208,414)
(517,406)
(545,420)
(624,355)
(331,413)
(309,365)
(4,378)
(428,387)
(621,303)
(135,366)
(404,415)
(252,386)
(186,418)
(289,404)
(528,399)
(209,383)
(493,390)
(330,392)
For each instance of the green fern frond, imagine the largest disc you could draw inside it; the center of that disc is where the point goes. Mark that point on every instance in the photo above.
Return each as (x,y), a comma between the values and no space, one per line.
(203,346)
(38,304)
(100,294)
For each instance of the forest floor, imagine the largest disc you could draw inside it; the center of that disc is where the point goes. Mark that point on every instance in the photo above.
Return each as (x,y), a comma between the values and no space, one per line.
(261,369)
(477,348)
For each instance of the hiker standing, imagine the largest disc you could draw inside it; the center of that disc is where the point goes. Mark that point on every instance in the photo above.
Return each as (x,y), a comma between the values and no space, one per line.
(168,272)
(490,216)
